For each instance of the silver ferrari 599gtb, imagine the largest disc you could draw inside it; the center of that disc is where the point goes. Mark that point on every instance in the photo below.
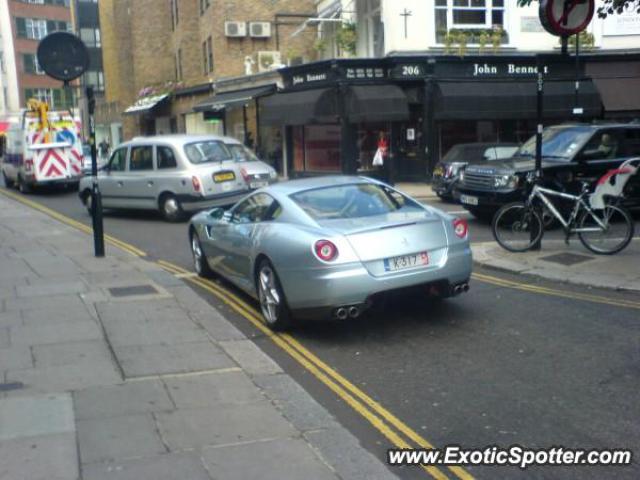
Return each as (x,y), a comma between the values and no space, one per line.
(325,246)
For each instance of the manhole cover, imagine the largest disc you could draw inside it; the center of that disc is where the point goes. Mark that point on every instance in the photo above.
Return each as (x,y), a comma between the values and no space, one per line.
(6,387)
(567,259)
(133,291)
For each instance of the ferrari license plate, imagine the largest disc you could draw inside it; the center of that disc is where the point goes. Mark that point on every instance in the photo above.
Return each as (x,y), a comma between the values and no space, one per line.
(468,200)
(224,177)
(406,261)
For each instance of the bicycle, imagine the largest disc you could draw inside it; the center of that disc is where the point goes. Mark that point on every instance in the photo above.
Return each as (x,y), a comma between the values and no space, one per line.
(602,224)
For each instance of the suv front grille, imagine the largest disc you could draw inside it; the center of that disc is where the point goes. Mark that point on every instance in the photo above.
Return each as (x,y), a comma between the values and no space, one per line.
(475,180)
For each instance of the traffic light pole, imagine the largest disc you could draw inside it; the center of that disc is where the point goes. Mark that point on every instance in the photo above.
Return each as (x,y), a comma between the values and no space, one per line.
(96,197)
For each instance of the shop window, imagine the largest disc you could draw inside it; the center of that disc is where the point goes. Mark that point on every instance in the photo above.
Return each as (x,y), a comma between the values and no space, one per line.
(298,148)
(369,135)
(475,17)
(322,148)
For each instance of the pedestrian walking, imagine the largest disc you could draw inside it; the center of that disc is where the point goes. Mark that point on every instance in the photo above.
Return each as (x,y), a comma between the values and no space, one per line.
(104,148)
(381,157)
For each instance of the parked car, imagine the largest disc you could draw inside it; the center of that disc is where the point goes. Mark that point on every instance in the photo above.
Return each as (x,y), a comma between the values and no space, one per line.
(326,246)
(255,172)
(570,154)
(445,173)
(86,159)
(174,174)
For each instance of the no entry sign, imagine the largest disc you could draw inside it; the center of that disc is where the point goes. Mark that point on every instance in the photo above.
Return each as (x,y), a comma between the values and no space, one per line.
(566,17)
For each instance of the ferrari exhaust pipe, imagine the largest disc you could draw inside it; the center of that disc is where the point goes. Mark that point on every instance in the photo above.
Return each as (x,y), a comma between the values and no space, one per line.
(342,313)
(457,289)
(465,287)
(354,312)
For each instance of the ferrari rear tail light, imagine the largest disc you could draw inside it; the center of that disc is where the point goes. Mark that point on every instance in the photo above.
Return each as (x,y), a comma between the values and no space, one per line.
(197,186)
(461,227)
(326,250)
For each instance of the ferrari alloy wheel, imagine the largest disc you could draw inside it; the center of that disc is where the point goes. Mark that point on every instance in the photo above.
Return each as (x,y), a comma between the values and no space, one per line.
(199,260)
(272,300)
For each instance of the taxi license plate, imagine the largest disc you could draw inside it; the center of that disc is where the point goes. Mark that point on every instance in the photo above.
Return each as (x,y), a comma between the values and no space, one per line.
(406,261)
(224,177)
(469,200)
(258,184)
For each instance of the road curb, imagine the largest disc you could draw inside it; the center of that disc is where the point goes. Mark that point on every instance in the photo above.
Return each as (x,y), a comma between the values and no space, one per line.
(482,257)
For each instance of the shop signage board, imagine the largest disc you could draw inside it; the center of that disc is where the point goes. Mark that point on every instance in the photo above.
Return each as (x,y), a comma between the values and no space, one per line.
(327,74)
(492,69)
(408,71)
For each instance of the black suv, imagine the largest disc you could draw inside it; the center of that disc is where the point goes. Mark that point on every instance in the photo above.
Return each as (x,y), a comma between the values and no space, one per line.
(570,154)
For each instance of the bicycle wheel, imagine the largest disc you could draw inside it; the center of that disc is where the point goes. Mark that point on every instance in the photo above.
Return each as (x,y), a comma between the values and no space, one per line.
(517,227)
(606,241)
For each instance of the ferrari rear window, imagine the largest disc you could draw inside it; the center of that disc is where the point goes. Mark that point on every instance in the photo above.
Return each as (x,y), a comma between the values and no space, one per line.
(352,201)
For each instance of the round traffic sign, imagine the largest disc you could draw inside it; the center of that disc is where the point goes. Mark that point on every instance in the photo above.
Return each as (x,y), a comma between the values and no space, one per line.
(63,56)
(566,17)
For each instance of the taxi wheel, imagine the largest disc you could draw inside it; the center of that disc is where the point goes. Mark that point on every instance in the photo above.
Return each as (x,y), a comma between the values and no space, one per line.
(171,208)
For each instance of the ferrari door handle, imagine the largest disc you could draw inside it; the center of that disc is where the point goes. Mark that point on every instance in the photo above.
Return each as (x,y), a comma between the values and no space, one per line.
(120,184)
(150,183)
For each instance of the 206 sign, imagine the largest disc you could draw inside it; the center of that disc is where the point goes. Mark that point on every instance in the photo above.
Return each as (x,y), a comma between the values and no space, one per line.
(566,17)
(408,70)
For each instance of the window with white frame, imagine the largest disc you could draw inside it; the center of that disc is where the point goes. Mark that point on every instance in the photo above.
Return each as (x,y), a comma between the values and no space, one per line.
(42,94)
(91,37)
(372,27)
(469,15)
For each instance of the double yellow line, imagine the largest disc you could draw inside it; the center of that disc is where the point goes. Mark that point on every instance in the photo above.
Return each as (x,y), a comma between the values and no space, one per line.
(556,293)
(397,432)
(73,223)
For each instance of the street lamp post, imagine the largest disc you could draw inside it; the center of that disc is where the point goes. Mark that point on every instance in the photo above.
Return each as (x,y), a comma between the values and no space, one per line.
(96,197)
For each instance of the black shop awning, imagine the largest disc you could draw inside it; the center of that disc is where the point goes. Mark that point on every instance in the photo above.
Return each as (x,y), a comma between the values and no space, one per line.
(366,103)
(618,84)
(236,98)
(377,103)
(319,105)
(464,100)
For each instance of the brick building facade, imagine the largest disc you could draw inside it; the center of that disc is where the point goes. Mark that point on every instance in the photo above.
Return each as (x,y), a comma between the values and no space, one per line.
(181,48)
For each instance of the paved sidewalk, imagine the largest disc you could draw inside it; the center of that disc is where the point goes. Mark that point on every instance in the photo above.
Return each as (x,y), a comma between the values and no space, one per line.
(572,264)
(417,190)
(114,369)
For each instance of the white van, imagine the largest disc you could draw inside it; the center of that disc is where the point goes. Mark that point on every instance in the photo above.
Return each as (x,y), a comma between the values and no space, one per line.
(37,156)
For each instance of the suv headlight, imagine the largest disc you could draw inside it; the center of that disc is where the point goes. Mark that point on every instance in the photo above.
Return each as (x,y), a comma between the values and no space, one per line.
(505,181)
(273,174)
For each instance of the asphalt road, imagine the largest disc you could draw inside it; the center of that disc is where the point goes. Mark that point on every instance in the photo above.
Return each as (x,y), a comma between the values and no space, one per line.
(496,366)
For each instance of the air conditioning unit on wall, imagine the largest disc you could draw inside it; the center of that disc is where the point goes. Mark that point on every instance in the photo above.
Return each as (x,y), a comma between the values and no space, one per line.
(235,29)
(260,29)
(269,60)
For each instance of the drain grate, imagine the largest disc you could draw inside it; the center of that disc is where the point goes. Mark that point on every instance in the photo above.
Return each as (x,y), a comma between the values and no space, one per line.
(567,259)
(133,291)
(7,387)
